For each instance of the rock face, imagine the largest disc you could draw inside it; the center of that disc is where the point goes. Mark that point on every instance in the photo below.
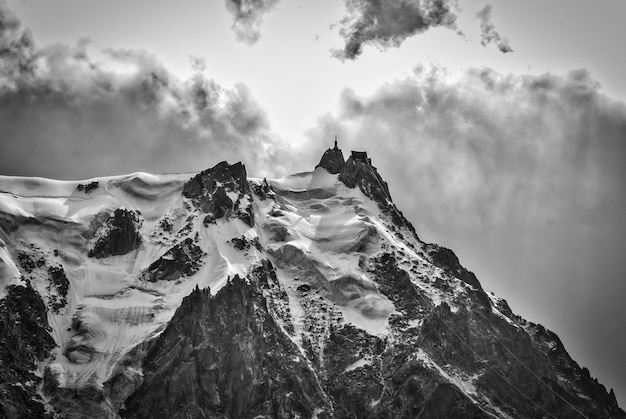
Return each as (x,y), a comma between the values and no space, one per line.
(220,192)
(59,281)
(225,356)
(181,260)
(119,235)
(87,188)
(447,401)
(24,341)
(308,296)
(358,171)
(332,160)
(446,259)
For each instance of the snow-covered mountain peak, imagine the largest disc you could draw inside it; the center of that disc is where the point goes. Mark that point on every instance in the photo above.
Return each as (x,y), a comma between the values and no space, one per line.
(215,294)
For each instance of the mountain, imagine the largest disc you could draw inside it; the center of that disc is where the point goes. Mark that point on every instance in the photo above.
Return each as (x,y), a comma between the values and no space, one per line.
(218,295)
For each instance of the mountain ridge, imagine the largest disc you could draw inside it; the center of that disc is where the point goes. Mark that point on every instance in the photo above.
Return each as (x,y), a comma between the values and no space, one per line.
(310,295)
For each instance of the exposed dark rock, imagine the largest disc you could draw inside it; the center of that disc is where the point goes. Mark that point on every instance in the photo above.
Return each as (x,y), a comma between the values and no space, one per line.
(448,402)
(50,381)
(184,259)
(332,160)
(119,235)
(263,191)
(122,385)
(240,243)
(503,307)
(225,356)
(304,288)
(24,340)
(84,402)
(58,279)
(351,387)
(582,383)
(208,192)
(408,382)
(358,171)
(445,259)
(27,263)
(89,187)
(166,225)
(396,285)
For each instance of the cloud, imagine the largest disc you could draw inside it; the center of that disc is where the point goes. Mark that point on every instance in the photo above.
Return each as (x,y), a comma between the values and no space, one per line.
(248,16)
(77,111)
(489,33)
(490,140)
(388,23)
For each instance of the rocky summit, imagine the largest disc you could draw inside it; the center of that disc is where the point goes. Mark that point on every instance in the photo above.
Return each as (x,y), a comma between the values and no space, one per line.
(218,295)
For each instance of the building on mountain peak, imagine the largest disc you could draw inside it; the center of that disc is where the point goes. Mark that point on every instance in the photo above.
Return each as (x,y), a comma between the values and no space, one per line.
(332,160)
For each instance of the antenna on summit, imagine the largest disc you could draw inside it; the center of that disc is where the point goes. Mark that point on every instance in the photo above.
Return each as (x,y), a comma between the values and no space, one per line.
(335,141)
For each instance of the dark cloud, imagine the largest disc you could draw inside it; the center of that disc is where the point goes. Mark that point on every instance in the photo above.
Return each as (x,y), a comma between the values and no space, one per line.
(385,23)
(524,177)
(119,112)
(248,16)
(488,31)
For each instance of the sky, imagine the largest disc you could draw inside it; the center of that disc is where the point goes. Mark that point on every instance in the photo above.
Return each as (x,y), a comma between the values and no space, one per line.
(500,126)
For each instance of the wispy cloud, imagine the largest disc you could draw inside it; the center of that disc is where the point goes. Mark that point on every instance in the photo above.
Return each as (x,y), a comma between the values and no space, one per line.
(248,17)
(488,31)
(387,24)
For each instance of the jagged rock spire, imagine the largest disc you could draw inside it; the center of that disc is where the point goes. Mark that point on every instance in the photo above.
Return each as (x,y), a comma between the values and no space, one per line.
(332,160)
(358,171)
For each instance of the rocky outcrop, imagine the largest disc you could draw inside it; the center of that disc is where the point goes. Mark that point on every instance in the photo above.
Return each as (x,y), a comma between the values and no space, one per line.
(118,236)
(225,356)
(448,402)
(351,364)
(332,160)
(396,285)
(447,260)
(88,188)
(184,259)
(58,281)
(358,171)
(24,340)
(221,192)
(511,360)
(599,399)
